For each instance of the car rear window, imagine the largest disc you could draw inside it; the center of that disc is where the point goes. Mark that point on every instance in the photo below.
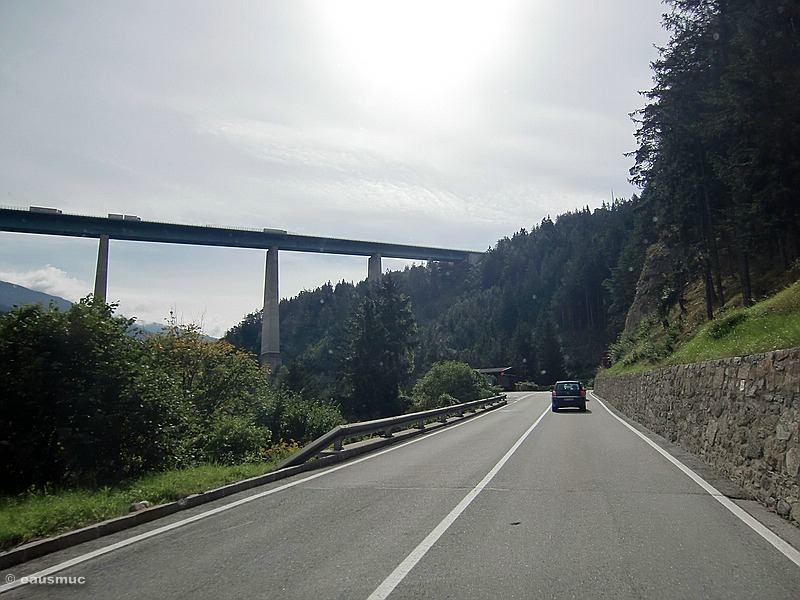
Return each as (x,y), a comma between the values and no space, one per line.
(568,388)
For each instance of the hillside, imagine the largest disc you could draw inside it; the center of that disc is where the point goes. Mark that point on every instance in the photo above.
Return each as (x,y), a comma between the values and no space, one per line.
(773,323)
(547,301)
(12,295)
(585,289)
(15,295)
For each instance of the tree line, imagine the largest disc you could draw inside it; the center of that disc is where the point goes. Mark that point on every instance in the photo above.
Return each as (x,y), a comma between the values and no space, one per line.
(545,302)
(718,154)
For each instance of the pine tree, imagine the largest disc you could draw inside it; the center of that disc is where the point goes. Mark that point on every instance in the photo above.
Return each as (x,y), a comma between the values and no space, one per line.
(378,353)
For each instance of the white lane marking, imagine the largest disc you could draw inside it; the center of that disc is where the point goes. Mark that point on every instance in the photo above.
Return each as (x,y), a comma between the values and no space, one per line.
(404,568)
(777,542)
(143,536)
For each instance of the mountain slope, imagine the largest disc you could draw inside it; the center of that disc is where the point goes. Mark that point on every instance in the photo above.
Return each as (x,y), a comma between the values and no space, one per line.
(12,295)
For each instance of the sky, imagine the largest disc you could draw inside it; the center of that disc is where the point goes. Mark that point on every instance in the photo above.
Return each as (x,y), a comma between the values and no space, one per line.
(438,123)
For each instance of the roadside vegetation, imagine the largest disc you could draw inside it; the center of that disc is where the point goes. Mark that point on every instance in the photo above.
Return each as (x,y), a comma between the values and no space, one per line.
(47,511)
(94,419)
(771,324)
(447,383)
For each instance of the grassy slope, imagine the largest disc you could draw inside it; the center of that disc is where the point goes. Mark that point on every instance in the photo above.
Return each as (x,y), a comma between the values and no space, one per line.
(44,513)
(768,325)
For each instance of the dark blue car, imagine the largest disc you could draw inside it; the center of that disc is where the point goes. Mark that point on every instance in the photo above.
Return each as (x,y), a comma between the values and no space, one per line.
(568,393)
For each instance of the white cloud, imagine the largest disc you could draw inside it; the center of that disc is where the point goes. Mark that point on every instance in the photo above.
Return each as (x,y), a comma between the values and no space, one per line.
(50,280)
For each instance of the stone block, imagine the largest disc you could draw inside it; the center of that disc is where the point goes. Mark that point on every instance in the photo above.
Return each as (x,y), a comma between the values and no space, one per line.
(795,514)
(792,461)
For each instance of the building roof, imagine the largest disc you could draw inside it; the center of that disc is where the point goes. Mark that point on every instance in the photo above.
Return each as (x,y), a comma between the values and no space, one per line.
(493,370)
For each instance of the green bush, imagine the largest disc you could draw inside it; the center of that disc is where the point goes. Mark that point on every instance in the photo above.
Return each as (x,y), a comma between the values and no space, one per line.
(82,402)
(291,417)
(75,404)
(725,324)
(233,439)
(447,383)
(527,386)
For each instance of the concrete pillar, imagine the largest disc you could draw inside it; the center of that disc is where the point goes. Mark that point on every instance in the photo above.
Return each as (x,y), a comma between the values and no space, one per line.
(270,325)
(374,271)
(101,274)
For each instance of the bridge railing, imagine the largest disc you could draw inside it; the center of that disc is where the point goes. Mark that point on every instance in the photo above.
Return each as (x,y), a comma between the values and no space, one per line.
(385,427)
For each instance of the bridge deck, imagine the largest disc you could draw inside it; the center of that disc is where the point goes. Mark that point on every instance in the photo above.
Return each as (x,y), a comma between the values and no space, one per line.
(131,228)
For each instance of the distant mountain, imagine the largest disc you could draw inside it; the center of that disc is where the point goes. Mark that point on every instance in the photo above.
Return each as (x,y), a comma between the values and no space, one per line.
(15,295)
(12,295)
(143,329)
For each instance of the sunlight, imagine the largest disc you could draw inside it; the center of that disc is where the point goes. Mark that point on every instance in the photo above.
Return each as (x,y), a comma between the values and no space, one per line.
(416,50)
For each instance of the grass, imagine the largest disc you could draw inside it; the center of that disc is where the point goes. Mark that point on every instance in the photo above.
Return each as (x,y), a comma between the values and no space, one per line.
(769,325)
(44,513)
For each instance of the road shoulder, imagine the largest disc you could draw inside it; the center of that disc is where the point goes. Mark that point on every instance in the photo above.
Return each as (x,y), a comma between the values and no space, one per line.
(784,529)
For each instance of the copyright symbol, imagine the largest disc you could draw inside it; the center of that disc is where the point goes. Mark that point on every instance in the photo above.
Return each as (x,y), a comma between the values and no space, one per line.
(10,578)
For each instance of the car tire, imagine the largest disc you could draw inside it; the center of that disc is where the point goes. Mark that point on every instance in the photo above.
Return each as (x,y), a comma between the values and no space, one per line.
(554,408)
(583,407)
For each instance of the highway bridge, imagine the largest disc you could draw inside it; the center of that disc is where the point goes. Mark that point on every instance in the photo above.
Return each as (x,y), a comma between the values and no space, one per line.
(52,221)
(517,502)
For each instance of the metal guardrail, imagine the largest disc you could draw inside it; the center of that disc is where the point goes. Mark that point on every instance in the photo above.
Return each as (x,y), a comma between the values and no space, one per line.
(336,436)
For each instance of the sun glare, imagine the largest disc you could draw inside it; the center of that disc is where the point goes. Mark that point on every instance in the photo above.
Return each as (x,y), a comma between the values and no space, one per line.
(420,50)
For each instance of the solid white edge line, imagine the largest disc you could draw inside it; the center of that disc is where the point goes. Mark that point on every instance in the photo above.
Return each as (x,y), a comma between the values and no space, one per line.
(771,537)
(21,581)
(404,568)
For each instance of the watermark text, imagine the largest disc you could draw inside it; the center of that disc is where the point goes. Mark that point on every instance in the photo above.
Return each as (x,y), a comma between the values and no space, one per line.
(47,580)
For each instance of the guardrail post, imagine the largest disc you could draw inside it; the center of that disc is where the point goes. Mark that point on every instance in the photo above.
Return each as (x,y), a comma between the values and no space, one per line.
(337,444)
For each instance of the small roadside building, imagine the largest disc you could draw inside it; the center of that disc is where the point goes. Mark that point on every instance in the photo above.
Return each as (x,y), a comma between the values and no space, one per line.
(501,376)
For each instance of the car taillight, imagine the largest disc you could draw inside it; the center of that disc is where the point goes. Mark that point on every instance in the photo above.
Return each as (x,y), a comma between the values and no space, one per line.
(554,393)
(583,393)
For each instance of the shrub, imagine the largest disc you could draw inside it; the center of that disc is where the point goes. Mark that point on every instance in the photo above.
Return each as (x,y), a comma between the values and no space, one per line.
(723,325)
(219,393)
(75,405)
(527,386)
(449,382)
(233,439)
(291,417)
(84,402)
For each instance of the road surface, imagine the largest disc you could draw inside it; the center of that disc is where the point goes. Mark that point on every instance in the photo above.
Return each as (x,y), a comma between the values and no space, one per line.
(519,502)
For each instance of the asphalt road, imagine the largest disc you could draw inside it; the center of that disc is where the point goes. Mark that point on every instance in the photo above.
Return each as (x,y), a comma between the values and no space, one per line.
(516,503)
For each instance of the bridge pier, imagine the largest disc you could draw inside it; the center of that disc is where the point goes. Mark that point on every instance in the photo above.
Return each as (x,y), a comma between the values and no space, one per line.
(270,324)
(374,271)
(101,274)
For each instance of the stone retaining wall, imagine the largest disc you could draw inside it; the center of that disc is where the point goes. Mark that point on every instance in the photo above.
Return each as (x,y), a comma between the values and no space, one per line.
(740,415)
